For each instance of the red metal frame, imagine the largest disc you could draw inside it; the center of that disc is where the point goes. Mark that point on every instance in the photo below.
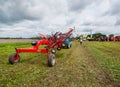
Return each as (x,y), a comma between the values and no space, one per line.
(117,38)
(15,58)
(35,48)
(55,42)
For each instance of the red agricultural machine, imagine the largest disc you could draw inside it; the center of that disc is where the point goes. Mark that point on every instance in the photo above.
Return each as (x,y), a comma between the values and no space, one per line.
(52,43)
(111,38)
(117,38)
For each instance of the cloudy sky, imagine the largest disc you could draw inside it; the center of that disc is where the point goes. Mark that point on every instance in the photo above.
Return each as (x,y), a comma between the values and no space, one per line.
(27,18)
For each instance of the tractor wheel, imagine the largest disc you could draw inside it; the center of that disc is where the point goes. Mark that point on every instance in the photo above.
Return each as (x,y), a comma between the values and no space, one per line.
(51,60)
(68,46)
(14,58)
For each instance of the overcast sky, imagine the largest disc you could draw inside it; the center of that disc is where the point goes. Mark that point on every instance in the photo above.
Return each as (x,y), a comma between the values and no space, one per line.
(27,18)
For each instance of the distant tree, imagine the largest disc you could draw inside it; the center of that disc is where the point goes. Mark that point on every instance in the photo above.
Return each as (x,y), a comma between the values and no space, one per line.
(111,35)
(97,36)
(88,35)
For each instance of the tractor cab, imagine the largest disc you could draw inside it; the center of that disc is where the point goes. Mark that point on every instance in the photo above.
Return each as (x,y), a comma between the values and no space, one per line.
(68,42)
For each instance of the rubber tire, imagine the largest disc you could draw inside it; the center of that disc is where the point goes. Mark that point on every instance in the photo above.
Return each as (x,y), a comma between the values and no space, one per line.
(58,49)
(68,46)
(11,58)
(52,51)
(51,60)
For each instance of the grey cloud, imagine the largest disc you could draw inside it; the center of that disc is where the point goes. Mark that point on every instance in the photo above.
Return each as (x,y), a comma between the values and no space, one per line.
(86,30)
(86,23)
(75,5)
(45,16)
(114,10)
(70,21)
(117,22)
(95,23)
(16,10)
(115,7)
(12,11)
(2,30)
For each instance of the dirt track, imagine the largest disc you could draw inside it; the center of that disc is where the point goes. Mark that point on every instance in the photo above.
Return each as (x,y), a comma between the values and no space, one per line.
(15,40)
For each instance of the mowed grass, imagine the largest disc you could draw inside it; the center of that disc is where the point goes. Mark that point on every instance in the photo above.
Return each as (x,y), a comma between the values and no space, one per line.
(107,55)
(22,73)
(92,64)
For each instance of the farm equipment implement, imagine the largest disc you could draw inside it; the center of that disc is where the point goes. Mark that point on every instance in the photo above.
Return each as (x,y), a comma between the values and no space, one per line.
(52,43)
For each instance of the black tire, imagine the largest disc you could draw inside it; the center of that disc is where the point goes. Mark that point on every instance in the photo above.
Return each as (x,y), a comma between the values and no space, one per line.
(58,49)
(53,51)
(68,46)
(34,43)
(51,60)
(14,58)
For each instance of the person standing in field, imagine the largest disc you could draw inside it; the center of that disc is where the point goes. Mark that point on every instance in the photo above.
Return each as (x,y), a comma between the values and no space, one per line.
(81,41)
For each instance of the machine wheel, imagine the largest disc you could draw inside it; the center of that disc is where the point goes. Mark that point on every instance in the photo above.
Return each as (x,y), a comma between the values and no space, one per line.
(58,49)
(51,60)
(68,46)
(53,51)
(14,58)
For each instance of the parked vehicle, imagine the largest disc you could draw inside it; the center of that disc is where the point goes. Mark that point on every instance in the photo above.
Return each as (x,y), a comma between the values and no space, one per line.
(117,38)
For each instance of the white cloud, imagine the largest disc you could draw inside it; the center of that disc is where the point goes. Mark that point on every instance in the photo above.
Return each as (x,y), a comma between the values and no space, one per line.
(26,18)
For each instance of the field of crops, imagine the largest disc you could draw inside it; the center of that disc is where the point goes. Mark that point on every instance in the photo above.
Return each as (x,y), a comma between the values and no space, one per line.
(92,64)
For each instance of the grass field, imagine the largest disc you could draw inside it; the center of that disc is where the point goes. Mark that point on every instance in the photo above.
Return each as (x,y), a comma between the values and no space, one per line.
(92,64)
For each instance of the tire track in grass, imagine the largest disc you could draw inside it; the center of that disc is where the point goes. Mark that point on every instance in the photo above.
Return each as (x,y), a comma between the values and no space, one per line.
(103,76)
(77,68)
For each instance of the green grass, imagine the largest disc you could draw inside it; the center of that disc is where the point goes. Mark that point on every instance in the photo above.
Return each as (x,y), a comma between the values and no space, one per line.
(23,72)
(107,55)
(93,64)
